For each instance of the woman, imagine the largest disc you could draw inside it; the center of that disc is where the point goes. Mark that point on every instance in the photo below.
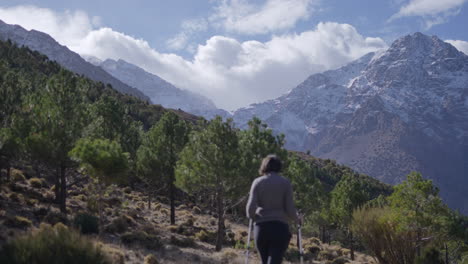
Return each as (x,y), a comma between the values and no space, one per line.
(271,206)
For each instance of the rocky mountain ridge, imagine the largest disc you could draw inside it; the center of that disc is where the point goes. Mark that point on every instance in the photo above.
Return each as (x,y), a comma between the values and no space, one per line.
(386,114)
(160,91)
(45,44)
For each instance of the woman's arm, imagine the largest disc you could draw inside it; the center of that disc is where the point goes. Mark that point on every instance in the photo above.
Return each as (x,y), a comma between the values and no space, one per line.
(252,203)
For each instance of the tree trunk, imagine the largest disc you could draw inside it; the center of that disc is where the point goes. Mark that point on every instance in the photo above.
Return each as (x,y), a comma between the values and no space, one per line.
(99,204)
(446,254)
(351,240)
(37,170)
(63,190)
(322,233)
(220,211)
(8,172)
(149,200)
(57,185)
(172,198)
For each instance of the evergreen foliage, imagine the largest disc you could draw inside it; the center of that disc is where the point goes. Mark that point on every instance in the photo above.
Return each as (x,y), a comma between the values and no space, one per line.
(158,154)
(53,118)
(57,244)
(210,161)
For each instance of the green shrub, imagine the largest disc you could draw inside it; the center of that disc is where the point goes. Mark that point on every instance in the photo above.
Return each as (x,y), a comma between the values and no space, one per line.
(292,254)
(430,255)
(314,240)
(142,238)
(196,210)
(206,236)
(151,259)
(55,217)
(36,182)
(326,255)
(18,222)
(340,260)
(17,175)
(182,242)
(31,202)
(49,244)
(313,249)
(86,223)
(16,197)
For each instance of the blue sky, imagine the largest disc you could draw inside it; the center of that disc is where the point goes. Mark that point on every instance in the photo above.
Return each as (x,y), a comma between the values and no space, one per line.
(237,52)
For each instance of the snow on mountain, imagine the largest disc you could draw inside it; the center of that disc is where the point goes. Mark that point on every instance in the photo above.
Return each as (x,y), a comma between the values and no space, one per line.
(385,114)
(46,45)
(160,91)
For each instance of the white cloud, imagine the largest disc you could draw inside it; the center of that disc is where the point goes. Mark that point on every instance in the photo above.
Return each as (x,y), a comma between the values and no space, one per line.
(232,73)
(189,28)
(433,11)
(240,16)
(460,45)
(68,27)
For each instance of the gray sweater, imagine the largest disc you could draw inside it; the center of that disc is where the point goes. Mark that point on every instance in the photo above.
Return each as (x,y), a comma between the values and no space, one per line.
(271,199)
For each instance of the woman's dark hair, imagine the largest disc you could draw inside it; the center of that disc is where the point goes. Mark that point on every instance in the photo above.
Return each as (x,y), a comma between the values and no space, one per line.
(270,163)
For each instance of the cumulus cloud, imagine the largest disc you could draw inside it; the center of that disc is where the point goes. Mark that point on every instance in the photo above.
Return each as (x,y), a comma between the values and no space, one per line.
(460,45)
(240,16)
(188,29)
(77,23)
(433,11)
(230,72)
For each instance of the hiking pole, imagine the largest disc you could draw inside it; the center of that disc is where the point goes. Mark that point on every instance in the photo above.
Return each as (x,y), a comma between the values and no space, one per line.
(248,242)
(299,242)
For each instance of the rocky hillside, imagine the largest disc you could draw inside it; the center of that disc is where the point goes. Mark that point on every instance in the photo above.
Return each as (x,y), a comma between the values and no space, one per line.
(387,114)
(134,233)
(70,60)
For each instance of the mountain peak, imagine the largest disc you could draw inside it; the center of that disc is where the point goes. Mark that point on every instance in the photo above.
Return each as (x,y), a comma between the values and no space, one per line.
(421,45)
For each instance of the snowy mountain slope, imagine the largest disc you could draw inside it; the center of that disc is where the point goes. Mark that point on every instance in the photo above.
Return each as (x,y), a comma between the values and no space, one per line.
(385,114)
(46,45)
(160,91)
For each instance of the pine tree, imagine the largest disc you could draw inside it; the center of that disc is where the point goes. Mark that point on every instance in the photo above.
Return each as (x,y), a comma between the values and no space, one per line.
(158,155)
(210,161)
(347,196)
(58,117)
(104,160)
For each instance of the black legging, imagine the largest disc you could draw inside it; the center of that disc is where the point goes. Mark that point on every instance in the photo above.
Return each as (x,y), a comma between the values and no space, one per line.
(272,240)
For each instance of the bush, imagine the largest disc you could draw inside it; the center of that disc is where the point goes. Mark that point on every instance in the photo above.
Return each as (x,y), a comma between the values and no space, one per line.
(16,197)
(67,246)
(313,250)
(86,223)
(379,234)
(55,217)
(142,238)
(36,182)
(151,259)
(228,255)
(120,224)
(31,202)
(327,255)
(196,210)
(127,190)
(314,240)
(17,175)
(206,236)
(18,222)
(430,256)
(340,260)
(292,254)
(182,242)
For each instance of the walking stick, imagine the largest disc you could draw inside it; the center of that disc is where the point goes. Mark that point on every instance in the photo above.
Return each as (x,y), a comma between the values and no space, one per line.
(299,244)
(248,242)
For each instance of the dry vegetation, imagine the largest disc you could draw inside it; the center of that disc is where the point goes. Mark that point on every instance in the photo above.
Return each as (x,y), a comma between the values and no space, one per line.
(132,233)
